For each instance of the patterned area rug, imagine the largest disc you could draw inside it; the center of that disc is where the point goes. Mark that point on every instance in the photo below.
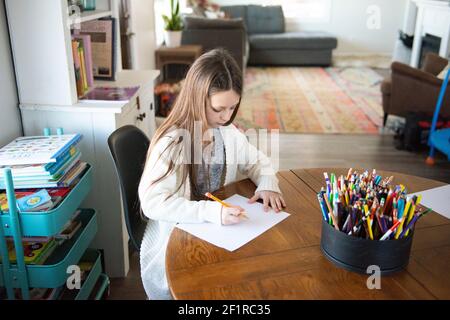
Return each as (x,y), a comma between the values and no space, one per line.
(312,100)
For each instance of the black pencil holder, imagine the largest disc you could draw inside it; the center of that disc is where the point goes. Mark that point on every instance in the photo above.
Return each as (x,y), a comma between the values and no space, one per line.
(356,254)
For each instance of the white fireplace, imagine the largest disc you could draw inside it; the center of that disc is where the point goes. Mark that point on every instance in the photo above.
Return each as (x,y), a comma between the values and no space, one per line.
(433,18)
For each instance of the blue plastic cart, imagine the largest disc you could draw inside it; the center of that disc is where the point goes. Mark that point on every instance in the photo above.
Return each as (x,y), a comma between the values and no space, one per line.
(54,272)
(439,139)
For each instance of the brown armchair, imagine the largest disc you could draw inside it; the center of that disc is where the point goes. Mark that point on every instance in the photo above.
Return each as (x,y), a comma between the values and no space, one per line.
(409,89)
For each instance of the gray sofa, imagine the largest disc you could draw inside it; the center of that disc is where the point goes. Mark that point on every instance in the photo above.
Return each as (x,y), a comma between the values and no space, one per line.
(256,35)
(270,44)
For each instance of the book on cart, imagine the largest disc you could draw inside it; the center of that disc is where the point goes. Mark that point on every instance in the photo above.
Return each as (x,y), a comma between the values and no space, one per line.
(32,150)
(50,170)
(35,252)
(57,195)
(42,161)
(69,179)
(40,200)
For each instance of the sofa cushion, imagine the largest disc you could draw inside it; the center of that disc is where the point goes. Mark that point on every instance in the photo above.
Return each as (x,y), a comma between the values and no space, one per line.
(290,57)
(293,40)
(204,23)
(264,19)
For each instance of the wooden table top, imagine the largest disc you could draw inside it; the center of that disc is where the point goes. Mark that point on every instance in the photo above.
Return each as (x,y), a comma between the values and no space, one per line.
(286,262)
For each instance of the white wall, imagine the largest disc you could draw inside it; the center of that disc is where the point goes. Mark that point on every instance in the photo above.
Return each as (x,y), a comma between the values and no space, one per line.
(349,20)
(10,126)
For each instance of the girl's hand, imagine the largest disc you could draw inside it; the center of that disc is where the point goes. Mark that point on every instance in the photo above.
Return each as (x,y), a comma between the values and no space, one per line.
(230,215)
(275,200)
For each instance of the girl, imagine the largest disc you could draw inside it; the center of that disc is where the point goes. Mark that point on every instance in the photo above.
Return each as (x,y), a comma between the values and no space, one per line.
(177,174)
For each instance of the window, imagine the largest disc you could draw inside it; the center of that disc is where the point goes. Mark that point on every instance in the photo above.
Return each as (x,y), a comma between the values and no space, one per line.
(308,11)
(163,7)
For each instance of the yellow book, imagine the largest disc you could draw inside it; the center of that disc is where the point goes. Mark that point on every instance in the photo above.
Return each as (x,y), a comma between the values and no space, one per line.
(32,251)
(3,202)
(83,69)
(77,67)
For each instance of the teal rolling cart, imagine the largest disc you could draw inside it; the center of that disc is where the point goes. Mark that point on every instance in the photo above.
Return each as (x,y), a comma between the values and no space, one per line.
(56,270)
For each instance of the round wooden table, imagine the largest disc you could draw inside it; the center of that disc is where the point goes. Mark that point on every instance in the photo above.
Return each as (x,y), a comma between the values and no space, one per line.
(286,262)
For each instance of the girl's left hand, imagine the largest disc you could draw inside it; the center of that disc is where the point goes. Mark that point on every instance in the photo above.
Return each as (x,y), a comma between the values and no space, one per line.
(274,198)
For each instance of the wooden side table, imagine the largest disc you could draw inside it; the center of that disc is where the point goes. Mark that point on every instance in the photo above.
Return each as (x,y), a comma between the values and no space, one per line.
(185,54)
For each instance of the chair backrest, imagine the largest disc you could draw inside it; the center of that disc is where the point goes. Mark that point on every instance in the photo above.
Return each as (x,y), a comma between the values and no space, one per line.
(128,146)
(433,63)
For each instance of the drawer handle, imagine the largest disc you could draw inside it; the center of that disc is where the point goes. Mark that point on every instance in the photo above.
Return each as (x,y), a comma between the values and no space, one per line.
(141,116)
(151,105)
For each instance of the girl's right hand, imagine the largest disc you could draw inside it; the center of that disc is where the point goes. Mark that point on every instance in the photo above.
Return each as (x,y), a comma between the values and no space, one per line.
(230,215)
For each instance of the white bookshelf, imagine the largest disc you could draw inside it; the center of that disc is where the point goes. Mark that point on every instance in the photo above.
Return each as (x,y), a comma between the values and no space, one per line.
(42,52)
(88,16)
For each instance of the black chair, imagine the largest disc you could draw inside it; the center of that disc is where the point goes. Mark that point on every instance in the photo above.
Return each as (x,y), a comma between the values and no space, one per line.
(128,146)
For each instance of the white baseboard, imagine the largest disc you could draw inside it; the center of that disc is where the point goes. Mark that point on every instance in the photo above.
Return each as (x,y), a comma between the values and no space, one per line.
(382,61)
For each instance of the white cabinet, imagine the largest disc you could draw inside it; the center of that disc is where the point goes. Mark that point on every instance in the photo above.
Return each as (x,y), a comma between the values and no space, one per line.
(140,111)
(40,34)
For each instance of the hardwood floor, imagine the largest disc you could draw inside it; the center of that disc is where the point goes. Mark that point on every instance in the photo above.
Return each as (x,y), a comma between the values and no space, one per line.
(129,288)
(357,151)
(311,150)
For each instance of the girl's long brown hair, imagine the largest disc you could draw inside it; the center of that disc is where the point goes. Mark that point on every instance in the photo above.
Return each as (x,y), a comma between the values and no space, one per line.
(213,72)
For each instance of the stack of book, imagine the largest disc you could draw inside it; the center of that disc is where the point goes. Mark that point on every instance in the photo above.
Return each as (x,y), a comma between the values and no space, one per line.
(39,162)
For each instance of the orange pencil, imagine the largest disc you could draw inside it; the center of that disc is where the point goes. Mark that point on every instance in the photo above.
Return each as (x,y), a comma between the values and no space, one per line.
(209,195)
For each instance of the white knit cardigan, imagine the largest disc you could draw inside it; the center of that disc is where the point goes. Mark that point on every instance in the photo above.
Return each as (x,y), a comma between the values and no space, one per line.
(241,156)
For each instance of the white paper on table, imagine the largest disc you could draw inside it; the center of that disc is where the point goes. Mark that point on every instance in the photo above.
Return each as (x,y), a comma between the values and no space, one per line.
(437,199)
(232,237)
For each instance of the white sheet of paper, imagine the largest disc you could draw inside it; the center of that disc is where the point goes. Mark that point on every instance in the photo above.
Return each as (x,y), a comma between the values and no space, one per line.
(232,237)
(437,199)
